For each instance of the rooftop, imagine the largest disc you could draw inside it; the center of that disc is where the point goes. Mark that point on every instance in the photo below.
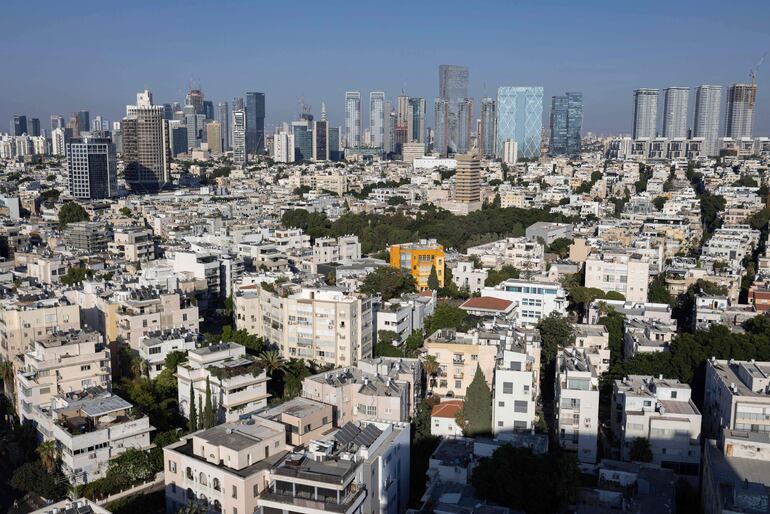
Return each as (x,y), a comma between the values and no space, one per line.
(297,407)
(237,436)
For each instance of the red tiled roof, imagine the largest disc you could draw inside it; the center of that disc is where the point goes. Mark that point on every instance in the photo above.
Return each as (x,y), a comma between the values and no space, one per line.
(427,292)
(486,303)
(447,409)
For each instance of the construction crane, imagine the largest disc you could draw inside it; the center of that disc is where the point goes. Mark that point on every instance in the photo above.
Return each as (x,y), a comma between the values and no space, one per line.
(753,74)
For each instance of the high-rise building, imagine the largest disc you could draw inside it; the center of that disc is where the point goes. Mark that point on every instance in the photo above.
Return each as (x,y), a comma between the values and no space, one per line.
(34,127)
(239,137)
(303,140)
(675,105)
(402,109)
(441,130)
(214,137)
(168,111)
(321,137)
(487,127)
(389,137)
(223,117)
(468,178)
(283,147)
(464,122)
(59,141)
(145,145)
(92,167)
(195,98)
(377,118)
(739,116)
(453,87)
(19,125)
(255,123)
(416,120)
(84,121)
(208,109)
(57,121)
(520,117)
(335,154)
(566,124)
(645,113)
(177,137)
(707,103)
(196,126)
(352,119)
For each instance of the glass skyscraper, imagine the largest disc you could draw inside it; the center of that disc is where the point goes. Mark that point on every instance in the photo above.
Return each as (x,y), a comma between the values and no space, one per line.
(453,87)
(740,110)
(352,119)
(487,127)
(707,100)
(377,118)
(223,117)
(255,122)
(645,113)
(440,131)
(92,168)
(416,120)
(566,124)
(675,104)
(334,144)
(520,118)
(303,140)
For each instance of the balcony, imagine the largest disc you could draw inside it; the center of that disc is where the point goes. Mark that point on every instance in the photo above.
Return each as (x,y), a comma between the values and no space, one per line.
(349,502)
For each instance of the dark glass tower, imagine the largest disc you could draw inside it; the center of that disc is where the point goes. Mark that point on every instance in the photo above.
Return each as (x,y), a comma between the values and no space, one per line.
(255,122)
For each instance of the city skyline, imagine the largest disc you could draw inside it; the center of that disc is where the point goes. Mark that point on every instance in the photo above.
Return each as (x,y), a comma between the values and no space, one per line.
(226,66)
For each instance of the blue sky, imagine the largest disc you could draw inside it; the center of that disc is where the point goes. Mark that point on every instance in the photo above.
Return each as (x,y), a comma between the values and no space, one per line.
(60,57)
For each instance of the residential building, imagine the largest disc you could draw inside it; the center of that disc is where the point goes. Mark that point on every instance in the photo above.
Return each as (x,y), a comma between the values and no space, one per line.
(739,115)
(223,117)
(419,259)
(458,355)
(343,250)
(645,113)
(519,118)
(524,254)
(304,419)
(577,400)
(240,155)
(81,506)
(646,336)
(516,385)
(534,299)
(89,237)
(405,314)
(237,381)
(92,168)
(707,103)
(377,118)
(548,231)
(283,147)
(488,133)
(594,341)
(466,276)
(620,486)
(214,137)
(468,179)
(132,244)
(155,347)
(441,129)
(443,419)
(675,103)
(352,119)
(661,411)
(145,137)
(623,272)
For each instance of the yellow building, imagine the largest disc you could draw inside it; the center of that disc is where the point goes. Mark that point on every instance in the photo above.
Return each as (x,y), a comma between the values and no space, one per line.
(419,258)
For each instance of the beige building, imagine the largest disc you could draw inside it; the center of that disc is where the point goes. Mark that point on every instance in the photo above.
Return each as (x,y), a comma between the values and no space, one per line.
(594,340)
(132,244)
(214,137)
(32,316)
(624,273)
(736,397)
(61,363)
(468,178)
(238,383)
(458,355)
(303,418)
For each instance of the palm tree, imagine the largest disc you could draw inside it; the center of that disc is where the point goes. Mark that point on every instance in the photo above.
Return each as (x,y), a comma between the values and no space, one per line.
(7,374)
(272,361)
(431,367)
(48,454)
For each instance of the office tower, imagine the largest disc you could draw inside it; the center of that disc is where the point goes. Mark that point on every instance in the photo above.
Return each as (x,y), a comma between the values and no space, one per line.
(84,121)
(145,145)
(441,130)
(239,137)
(453,87)
(255,122)
(566,124)
(388,141)
(19,125)
(303,140)
(238,104)
(57,122)
(645,113)
(707,102)
(195,124)
(510,152)
(487,127)
(675,104)
(168,111)
(195,98)
(92,167)
(223,117)
(468,178)
(377,118)
(34,127)
(214,137)
(283,146)
(335,154)
(177,140)
(321,137)
(416,120)
(208,109)
(739,117)
(464,125)
(59,140)
(520,118)
(352,119)
(402,110)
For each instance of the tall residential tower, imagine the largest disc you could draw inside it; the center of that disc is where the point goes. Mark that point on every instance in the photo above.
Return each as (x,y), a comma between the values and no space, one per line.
(707,102)
(645,113)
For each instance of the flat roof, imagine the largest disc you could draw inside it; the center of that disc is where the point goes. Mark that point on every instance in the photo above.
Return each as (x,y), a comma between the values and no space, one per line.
(237,436)
(298,407)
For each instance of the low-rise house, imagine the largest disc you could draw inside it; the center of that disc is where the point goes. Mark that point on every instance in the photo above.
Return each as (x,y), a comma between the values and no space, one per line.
(466,277)
(719,310)
(516,382)
(534,299)
(155,347)
(304,419)
(629,486)
(642,336)
(594,341)
(443,419)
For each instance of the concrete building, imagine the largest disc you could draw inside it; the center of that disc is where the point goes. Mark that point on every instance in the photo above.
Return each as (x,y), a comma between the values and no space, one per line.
(154,348)
(739,115)
(443,419)
(458,355)
(661,411)
(89,237)
(214,137)
(675,103)
(736,397)
(133,244)
(646,336)
(466,276)
(548,231)
(534,299)
(418,259)
(622,272)
(343,250)
(645,113)
(238,383)
(516,386)
(304,419)
(240,155)
(405,314)
(92,168)
(146,155)
(467,179)
(577,400)
(594,341)
(707,102)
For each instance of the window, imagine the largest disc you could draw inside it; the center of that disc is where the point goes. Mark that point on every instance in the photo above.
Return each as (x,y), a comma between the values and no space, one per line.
(256,490)
(501,404)
(172,466)
(519,406)
(85,367)
(155,350)
(507,387)
(499,423)
(235,489)
(458,384)
(673,395)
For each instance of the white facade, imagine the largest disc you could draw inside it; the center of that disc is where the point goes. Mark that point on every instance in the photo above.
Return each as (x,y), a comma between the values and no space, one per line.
(154,349)
(623,273)
(736,397)
(515,388)
(466,277)
(510,152)
(283,147)
(577,401)
(535,299)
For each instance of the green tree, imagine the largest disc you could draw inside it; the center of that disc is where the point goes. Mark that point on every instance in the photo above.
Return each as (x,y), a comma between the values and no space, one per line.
(272,361)
(174,359)
(387,350)
(494,277)
(75,275)
(477,409)
(560,247)
(33,478)
(387,336)
(388,282)
(71,212)
(48,454)
(555,331)
(413,343)
(448,316)
(431,367)
(433,283)
(201,417)
(209,416)
(193,425)
(759,324)
(659,202)
(614,322)
(640,450)
(658,292)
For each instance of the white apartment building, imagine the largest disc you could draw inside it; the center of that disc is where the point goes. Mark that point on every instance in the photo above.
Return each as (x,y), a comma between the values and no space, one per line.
(155,347)
(577,403)
(466,277)
(58,364)
(516,383)
(661,411)
(594,341)
(238,383)
(202,265)
(132,244)
(659,312)
(520,252)
(31,316)
(47,269)
(731,244)
(646,336)
(405,314)
(328,326)
(343,250)
(91,429)
(736,397)
(623,273)
(535,299)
